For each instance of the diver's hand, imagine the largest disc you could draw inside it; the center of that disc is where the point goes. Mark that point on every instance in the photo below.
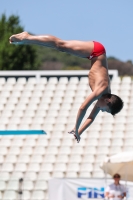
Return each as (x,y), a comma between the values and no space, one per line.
(76,135)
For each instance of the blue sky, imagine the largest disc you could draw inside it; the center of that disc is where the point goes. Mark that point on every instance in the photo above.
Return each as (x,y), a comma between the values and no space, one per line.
(107,21)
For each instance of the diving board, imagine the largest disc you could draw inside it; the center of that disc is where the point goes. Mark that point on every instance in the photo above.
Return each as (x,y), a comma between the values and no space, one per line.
(22,132)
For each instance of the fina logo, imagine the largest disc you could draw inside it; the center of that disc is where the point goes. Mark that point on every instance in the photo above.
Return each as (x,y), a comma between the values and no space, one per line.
(90,192)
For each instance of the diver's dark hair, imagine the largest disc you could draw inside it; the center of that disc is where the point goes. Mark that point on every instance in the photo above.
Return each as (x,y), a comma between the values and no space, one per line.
(116,103)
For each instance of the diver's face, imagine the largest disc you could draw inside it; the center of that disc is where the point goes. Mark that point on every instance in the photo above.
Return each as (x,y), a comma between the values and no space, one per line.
(103,104)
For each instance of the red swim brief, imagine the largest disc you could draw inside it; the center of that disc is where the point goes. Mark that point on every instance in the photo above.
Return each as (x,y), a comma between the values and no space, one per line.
(97,51)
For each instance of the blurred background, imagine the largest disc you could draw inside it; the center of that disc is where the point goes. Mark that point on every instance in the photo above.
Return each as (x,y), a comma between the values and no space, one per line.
(42,89)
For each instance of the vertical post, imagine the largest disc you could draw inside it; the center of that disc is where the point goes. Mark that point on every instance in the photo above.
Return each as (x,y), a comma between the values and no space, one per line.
(38,76)
(105,173)
(126,177)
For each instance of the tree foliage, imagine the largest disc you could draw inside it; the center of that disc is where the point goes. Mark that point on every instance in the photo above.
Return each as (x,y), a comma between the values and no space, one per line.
(15,57)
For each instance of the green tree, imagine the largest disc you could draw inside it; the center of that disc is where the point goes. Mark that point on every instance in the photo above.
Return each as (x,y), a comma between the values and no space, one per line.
(15,57)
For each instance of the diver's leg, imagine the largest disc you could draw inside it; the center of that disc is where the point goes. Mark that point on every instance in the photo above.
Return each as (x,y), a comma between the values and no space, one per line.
(78,48)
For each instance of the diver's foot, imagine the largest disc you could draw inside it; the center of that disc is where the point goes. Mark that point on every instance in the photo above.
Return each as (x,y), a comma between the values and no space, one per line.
(19,38)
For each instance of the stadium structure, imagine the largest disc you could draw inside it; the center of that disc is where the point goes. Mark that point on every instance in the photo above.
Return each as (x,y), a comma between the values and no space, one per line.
(49,101)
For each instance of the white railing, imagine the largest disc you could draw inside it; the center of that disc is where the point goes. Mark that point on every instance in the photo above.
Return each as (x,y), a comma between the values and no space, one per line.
(39,73)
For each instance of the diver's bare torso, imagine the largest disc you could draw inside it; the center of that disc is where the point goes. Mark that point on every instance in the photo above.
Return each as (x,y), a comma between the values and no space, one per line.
(98,75)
